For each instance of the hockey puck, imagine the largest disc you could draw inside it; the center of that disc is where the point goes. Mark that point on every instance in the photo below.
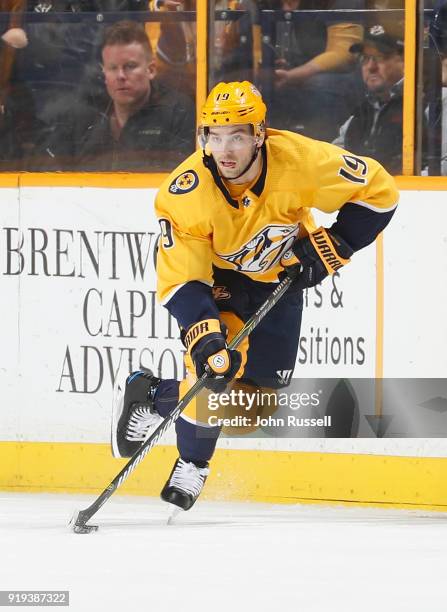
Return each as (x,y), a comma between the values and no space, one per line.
(85,528)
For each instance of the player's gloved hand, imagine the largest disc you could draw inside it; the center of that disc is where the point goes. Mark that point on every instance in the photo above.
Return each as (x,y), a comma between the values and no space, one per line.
(207,346)
(314,257)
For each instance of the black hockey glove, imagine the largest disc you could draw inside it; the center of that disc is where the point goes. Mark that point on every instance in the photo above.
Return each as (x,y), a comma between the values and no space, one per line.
(314,257)
(207,346)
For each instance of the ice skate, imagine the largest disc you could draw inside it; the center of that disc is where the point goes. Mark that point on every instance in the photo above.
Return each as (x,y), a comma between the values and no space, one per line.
(184,484)
(133,415)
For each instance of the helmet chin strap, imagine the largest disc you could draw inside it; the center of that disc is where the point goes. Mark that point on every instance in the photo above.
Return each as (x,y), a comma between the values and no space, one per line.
(248,166)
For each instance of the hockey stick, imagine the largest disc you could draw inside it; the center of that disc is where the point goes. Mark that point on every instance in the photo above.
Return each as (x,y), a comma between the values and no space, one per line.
(79,519)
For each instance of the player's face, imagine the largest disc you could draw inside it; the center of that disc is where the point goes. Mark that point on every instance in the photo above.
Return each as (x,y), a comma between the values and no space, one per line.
(232,148)
(380,71)
(128,72)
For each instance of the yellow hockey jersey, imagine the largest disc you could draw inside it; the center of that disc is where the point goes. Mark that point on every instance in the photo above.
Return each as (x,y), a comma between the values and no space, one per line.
(202,225)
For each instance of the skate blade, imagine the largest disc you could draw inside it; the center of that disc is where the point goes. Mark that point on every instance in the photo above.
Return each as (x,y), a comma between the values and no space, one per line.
(173,511)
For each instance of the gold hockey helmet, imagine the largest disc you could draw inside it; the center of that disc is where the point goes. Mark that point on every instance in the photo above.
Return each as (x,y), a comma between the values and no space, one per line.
(237,103)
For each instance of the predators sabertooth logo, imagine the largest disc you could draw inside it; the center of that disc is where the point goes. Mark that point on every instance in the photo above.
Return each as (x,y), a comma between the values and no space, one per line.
(184,183)
(264,250)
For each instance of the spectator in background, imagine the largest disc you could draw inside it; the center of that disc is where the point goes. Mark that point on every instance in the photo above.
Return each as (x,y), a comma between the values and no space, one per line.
(144,125)
(62,55)
(315,84)
(231,57)
(52,65)
(438,34)
(236,52)
(176,47)
(12,34)
(18,125)
(444,118)
(389,13)
(21,133)
(9,148)
(375,127)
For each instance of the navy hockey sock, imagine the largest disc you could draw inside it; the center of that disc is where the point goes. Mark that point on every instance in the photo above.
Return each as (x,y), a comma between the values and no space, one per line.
(166,397)
(194,443)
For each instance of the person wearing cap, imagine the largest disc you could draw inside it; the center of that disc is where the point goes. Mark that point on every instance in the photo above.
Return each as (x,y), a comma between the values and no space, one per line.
(375,127)
(235,217)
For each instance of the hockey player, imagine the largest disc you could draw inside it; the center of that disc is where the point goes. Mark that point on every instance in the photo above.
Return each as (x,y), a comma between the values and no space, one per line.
(233,217)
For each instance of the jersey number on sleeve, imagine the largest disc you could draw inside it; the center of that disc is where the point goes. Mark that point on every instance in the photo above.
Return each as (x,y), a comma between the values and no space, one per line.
(354,169)
(167,240)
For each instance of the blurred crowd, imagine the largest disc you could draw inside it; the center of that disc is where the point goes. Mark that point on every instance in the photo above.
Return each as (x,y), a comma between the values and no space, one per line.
(82,93)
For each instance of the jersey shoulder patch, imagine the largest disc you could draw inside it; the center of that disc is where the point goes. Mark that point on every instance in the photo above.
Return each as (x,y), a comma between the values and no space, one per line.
(184,183)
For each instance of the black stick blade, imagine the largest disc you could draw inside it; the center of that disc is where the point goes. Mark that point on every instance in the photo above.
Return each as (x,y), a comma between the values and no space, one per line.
(78,523)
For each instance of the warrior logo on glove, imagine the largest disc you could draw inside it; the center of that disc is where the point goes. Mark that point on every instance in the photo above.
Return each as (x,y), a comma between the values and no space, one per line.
(326,248)
(312,258)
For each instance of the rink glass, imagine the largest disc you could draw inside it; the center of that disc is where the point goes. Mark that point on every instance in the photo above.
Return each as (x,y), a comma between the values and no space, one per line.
(276,35)
(58,75)
(56,110)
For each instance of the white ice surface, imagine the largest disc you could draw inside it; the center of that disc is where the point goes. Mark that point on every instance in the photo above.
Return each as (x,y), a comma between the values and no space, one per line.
(225,556)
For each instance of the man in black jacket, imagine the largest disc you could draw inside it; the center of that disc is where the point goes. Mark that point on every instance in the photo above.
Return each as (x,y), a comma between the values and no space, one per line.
(142,127)
(375,128)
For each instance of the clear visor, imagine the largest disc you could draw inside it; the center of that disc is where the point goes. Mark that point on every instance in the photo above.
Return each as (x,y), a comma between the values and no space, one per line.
(226,139)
